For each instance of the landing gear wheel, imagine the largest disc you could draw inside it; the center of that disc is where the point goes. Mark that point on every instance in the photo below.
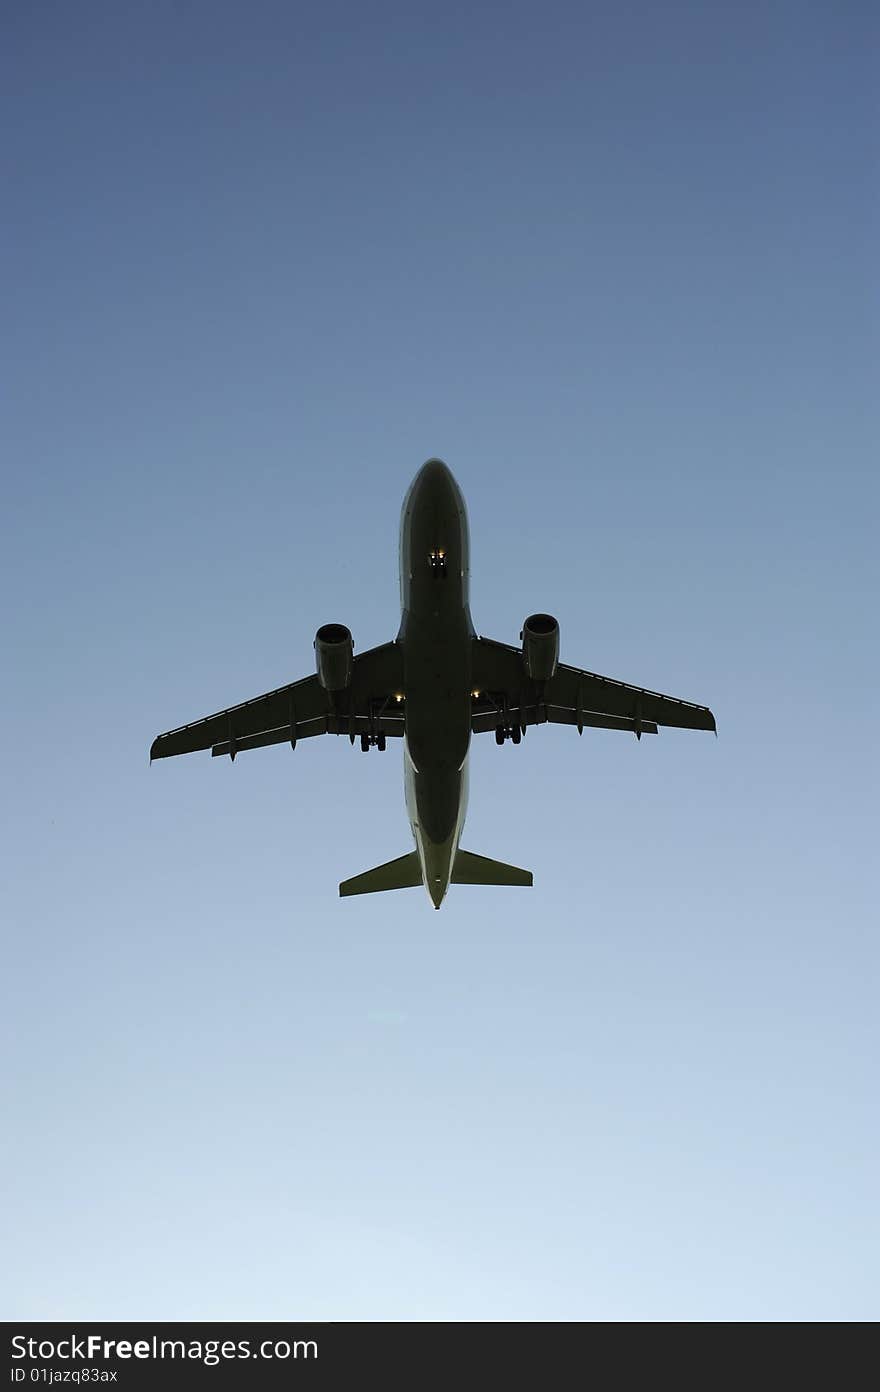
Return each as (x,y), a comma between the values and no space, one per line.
(380,742)
(516,734)
(365,743)
(499,734)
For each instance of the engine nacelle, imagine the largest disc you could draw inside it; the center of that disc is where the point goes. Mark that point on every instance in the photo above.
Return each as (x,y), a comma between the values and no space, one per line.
(540,640)
(334,656)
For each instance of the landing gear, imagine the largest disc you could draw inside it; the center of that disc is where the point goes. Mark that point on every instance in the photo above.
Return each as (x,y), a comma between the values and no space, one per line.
(367,742)
(514,733)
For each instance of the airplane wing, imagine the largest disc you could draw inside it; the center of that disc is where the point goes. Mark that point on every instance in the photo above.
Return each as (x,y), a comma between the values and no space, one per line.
(290,713)
(508,697)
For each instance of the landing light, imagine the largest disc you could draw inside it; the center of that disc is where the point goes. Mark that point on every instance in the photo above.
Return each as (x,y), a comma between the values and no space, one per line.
(398,696)
(475,694)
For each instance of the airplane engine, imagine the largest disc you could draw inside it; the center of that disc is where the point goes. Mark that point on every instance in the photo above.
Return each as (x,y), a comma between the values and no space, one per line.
(334,656)
(540,640)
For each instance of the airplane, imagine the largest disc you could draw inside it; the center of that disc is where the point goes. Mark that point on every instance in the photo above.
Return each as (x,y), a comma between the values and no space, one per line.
(433,687)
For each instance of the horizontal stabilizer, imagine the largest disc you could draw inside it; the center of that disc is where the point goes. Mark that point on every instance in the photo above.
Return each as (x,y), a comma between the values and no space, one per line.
(403,873)
(476,869)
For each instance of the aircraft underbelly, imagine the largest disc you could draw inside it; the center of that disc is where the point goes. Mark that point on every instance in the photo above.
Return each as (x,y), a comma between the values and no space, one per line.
(436,637)
(438,698)
(438,729)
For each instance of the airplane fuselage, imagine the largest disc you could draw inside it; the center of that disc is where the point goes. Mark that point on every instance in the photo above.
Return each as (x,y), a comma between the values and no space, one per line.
(436,632)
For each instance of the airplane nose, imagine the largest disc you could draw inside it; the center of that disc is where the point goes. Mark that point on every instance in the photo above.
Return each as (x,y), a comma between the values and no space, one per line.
(434,480)
(434,471)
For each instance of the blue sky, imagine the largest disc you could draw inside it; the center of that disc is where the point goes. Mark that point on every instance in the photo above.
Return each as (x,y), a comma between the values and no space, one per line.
(613,262)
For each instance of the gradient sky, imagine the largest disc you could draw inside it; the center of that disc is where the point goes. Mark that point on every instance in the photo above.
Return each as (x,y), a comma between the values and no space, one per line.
(614,262)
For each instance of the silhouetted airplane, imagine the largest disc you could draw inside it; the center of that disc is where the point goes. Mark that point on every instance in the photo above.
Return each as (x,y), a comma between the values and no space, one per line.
(434,686)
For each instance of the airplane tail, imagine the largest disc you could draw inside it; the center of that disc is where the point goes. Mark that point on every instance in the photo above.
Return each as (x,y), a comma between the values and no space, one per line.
(475,869)
(403,873)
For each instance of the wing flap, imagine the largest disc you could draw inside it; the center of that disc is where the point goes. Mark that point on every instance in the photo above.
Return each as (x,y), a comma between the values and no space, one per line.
(487,718)
(323,725)
(575,697)
(302,709)
(587,691)
(301,701)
